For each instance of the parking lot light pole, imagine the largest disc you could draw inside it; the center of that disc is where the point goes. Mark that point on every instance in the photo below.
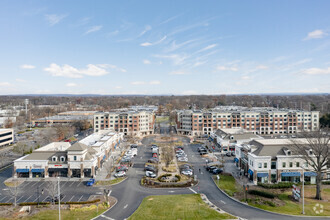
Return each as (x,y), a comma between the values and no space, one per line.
(59,199)
(303,191)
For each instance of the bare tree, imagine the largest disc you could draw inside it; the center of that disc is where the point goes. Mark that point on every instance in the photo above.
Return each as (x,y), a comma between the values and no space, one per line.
(14,191)
(314,149)
(52,189)
(167,155)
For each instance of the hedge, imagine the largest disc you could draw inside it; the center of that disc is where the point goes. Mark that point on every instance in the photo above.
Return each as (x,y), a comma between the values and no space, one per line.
(178,177)
(164,175)
(262,193)
(6,204)
(64,203)
(280,185)
(326,183)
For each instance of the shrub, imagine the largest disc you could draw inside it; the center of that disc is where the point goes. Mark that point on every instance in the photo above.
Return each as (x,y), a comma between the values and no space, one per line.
(270,203)
(178,177)
(280,185)
(83,202)
(262,193)
(160,178)
(6,204)
(326,183)
(33,203)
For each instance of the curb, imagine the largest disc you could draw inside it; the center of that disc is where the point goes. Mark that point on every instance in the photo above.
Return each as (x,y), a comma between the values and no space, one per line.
(112,184)
(106,210)
(276,213)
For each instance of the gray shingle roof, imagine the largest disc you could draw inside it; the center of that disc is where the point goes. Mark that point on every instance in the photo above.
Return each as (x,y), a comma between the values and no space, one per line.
(77,147)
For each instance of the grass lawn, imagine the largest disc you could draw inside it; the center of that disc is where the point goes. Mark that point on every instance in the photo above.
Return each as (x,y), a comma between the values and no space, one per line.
(176,207)
(227,184)
(162,119)
(79,213)
(110,182)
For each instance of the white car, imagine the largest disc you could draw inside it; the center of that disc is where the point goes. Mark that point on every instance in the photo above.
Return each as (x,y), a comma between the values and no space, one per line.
(120,174)
(150,174)
(134,151)
(183,159)
(187,172)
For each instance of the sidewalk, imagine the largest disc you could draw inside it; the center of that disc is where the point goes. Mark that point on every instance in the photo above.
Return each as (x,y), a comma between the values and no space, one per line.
(230,167)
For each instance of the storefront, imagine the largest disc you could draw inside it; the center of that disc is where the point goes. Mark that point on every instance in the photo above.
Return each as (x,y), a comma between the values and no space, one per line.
(250,174)
(236,161)
(262,177)
(87,172)
(290,177)
(310,177)
(55,172)
(22,173)
(37,173)
(76,173)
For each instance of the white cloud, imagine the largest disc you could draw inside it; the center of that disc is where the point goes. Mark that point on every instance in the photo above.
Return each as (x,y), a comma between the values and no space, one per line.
(54,18)
(20,80)
(224,68)
(138,83)
(118,87)
(71,84)
(245,78)
(155,82)
(261,67)
(317,34)
(93,29)
(177,59)
(146,61)
(147,44)
(317,71)
(207,47)
(27,66)
(72,72)
(146,29)
(178,72)
(5,84)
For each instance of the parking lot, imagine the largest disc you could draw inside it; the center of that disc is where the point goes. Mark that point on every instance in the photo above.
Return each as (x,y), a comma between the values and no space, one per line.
(72,191)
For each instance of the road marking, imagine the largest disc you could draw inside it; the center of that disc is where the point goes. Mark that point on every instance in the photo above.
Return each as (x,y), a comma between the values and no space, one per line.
(3,198)
(79,183)
(35,200)
(19,199)
(63,184)
(222,202)
(63,198)
(27,184)
(72,183)
(171,191)
(71,198)
(193,190)
(35,183)
(45,199)
(125,206)
(5,189)
(27,199)
(80,198)
(42,184)
(106,217)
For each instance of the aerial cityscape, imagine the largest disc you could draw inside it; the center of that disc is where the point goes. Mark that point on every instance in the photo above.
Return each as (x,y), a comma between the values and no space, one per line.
(165,110)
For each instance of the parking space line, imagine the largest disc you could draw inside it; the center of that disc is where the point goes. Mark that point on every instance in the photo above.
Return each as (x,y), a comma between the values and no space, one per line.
(71,199)
(27,198)
(63,198)
(42,184)
(34,183)
(65,182)
(45,199)
(28,183)
(2,198)
(19,199)
(72,183)
(80,198)
(79,183)
(192,190)
(35,199)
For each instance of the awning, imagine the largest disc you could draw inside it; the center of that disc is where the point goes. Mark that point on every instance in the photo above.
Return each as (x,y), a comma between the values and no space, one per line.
(236,160)
(310,174)
(115,146)
(250,172)
(104,157)
(291,174)
(262,174)
(57,170)
(22,170)
(38,170)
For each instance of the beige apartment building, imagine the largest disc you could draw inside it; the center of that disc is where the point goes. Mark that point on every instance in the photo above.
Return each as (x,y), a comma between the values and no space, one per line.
(264,121)
(134,122)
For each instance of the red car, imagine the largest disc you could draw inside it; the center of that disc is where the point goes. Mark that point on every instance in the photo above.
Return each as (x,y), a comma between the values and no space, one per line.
(154,155)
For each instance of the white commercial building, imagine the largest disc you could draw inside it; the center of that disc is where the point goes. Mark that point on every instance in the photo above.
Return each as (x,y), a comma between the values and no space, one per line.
(82,159)
(6,136)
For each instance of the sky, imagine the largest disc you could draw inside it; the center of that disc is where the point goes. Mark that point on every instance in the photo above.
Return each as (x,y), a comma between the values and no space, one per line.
(164,47)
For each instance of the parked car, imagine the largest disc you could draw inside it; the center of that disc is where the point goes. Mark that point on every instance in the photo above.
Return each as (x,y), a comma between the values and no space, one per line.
(217,171)
(56,198)
(203,152)
(153,160)
(228,154)
(199,149)
(187,172)
(210,168)
(185,166)
(90,182)
(134,146)
(121,168)
(155,155)
(120,174)
(125,160)
(233,153)
(181,155)
(134,151)
(154,146)
(183,159)
(179,151)
(150,168)
(150,174)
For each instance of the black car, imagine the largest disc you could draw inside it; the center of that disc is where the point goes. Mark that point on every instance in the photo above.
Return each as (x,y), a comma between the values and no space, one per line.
(210,168)
(228,154)
(150,168)
(201,149)
(153,160)
(134,146)
(186,166)
(203,152)
(217,171)
(55,199)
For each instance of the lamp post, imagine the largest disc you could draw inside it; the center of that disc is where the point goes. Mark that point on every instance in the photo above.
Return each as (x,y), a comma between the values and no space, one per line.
(59,199)
(303,191)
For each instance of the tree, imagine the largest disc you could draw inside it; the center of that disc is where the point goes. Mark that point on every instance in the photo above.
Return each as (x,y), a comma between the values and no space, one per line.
(167,155)
(325,120)
(314,149)
(52,189)
(14,191)
(8,123)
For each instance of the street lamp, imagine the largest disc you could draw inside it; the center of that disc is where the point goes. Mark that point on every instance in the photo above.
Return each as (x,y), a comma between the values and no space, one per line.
(59,199)
(303,191)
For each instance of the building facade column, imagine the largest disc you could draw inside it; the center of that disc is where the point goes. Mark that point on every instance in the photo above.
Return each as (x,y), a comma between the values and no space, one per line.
(30,173)
(82,171)
(46,172)
(93,171)
(14,173)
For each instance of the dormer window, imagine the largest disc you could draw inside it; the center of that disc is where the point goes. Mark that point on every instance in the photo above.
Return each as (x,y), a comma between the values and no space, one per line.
(289,152)
(310,152)
(62,158)
(54,158)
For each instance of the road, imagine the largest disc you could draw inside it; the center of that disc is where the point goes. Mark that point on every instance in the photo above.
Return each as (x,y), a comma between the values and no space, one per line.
(130,194)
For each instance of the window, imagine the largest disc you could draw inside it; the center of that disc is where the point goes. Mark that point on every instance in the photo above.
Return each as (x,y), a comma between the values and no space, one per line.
(74,157)
(62,158)
(54,158)
(297,164)
(265,165)
(259,165)
(273,165)
(283,164)
(290,164)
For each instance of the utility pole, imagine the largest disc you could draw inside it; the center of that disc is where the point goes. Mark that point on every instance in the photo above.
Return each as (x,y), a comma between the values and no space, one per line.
(59,199)
(26,101)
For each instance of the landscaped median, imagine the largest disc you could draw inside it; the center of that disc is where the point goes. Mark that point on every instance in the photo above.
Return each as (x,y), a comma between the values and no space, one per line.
(110,182)
(277,197)
(176,207)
